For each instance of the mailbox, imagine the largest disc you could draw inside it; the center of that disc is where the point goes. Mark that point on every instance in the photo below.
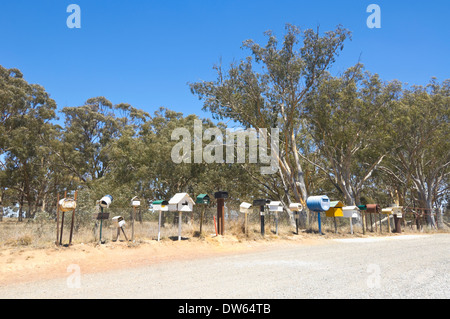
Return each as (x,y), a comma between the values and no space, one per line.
(275,207)
(181,202)
(135,202)
(318,203)
(335,209)
(67,204)
(202,199)
(397,211)
(362,207)
(106,201)
(296,207)
(160,205)
(118,221)
(221,195)
(373,208)
(351,211)
(245,207)
(260,202)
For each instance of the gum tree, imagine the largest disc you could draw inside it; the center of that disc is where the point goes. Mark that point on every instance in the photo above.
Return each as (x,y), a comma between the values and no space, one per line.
(268,89)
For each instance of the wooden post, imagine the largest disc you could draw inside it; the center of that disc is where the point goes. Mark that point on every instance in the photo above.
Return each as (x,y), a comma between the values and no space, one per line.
(276,223)
(57,220)
(351,225)
(363,218)
(201,218)
(389,223)
(221,216)
(73,219)
(335,225)
(379,217)
(246,224)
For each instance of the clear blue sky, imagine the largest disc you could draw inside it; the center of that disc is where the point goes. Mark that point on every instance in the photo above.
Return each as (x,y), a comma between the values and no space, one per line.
(145,52)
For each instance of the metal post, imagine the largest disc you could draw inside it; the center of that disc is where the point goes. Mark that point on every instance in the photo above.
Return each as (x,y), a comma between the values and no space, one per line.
(262,220)
(179,225)
(276,223)
(62,228)
(132,223)
(319,222)
(159,226)
(101,223)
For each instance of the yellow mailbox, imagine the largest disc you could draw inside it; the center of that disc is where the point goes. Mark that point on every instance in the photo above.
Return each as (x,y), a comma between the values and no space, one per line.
(335,209)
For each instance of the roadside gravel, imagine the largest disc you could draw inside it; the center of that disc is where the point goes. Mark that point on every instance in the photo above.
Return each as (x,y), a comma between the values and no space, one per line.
(392,267)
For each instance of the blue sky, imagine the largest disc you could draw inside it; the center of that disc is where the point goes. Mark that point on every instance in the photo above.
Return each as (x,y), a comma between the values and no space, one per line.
(145,52)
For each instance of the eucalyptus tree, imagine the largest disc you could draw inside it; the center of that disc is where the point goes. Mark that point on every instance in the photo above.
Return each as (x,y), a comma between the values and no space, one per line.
(268,89)
(421,159)
(26,112)
(349,119)
(90,133)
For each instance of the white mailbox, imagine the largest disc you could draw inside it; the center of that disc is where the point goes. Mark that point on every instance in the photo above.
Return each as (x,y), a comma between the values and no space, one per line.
(245,207)
(296,207)
(118,221)
(135,202)
(106,201)
(351,211)
(160,205)
(181,202)
(275,207)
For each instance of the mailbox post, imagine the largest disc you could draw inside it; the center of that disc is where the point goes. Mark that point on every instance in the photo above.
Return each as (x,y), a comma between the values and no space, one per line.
(202,199)
(296,208)
(275,207)
(65,205)
(398,215)
(351,212)
(318,204)
(135,203)
(103,203)
(335,211)
(363,209)
(261,203)
(119,222)
(221,196)
(245,208)
(181,202)
(373,209)
(160,206)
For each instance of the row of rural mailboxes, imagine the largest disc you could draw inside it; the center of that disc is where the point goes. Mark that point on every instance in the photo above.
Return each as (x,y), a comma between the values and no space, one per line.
(184,203)
(337,208)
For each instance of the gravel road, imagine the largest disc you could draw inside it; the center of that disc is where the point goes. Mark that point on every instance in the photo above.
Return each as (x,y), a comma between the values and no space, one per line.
(409,266)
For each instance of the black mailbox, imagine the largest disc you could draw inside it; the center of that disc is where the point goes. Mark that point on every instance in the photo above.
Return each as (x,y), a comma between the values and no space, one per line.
(261,202)
(221,194)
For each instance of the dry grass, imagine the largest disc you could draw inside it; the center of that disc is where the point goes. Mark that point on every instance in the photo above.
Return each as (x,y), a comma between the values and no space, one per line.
(42,234)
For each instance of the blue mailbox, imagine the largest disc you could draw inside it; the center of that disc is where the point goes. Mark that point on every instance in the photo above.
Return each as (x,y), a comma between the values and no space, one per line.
(318,204)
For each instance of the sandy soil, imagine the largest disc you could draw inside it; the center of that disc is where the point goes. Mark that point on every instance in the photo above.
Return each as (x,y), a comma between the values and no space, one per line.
(19,265)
